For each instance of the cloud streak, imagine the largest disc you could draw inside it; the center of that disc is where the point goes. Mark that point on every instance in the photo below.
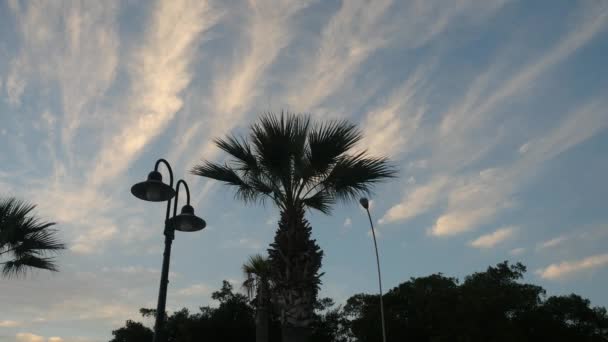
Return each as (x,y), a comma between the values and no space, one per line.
(569,268)
(496,237)
(160,73)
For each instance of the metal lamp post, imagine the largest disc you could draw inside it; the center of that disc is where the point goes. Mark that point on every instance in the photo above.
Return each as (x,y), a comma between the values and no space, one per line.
(365,204)
(154,190)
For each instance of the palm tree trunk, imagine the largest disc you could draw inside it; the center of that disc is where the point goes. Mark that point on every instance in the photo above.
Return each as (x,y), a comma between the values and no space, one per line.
(295,262)
(262,331)
(295,334)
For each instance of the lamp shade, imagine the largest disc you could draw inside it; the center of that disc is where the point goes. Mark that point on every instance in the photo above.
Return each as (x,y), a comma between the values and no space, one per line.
(153,189)
(364,202)
(186,221)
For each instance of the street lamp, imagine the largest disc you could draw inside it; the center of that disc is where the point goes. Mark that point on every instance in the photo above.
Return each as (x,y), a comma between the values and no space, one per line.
(154,190)
(365,204)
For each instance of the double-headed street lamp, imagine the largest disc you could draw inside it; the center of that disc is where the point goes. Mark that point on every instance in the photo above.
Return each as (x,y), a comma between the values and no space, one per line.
(365,204)
(154,190)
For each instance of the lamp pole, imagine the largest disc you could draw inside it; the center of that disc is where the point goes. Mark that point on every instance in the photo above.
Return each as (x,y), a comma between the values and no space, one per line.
(169,232)
(154,190)
(365,204)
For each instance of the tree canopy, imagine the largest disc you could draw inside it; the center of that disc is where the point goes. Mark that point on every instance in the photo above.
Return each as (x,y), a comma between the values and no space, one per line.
(493,305)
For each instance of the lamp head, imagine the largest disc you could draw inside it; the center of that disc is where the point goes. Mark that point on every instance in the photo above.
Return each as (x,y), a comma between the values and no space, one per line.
(153,189)
(186,221)
(364,203)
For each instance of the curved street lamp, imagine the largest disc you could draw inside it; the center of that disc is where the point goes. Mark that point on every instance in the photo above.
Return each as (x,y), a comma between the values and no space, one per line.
(155,190)
(365,204)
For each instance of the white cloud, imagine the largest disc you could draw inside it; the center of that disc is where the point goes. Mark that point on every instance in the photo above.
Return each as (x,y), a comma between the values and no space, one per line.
(195,290)
(389,128)
(15,83)
(349,38)
(476,109)
(569,268)
(245,242)
(460,221)
(517,251)
(416,202)
(160,72)
(478,199)
(10,324)
(236,87)
(358,30)
(29,337)
(492,239)
(271,221)
(92,241)
(348,222)
(552,242)
(473,201)
(61,43)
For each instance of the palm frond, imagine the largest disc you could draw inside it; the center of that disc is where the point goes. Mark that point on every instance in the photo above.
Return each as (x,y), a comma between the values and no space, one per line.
(224,173)
(353,176)
(240,151)
(321,201)
(257,265)
(255,270)
(25,238)
(39,241)
(329,141)
(278,142)
(291,160)
(20,265)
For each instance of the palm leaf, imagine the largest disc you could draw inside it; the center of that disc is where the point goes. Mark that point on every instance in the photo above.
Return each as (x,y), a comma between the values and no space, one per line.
(329,141)
(20,265)
(353,176)
(25,238)
(240,151)
(255,270)
(321,201)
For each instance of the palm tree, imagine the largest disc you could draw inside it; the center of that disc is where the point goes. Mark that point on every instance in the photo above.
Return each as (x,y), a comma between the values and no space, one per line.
(297,165)
(24,239)
(257,281)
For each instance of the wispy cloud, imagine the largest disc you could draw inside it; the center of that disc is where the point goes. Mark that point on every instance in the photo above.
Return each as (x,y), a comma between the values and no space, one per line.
(29,337)
(351,35)
(458,125)
(552,242)
(476,199)
(194,290)
(160,73)
(569,268)
(61,43)
(390,128)
(239,82)
(417,201)
(245,242)
(517,251)
(473,201)
(356,31)
(10,324)
(496,237)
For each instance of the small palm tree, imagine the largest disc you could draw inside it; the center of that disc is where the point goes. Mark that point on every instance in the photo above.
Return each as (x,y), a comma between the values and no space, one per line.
(298,165)
(24,239)
(258,284)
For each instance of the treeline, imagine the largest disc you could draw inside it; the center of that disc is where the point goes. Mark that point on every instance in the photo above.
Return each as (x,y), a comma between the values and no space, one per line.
(487,306)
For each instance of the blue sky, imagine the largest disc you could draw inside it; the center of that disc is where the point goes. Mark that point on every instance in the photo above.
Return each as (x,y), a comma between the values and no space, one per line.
(494,110)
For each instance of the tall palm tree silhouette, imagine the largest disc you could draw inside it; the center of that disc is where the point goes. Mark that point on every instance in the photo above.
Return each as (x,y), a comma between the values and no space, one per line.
(297,165)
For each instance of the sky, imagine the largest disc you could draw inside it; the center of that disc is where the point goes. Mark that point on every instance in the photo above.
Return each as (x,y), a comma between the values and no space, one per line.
(494,112)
